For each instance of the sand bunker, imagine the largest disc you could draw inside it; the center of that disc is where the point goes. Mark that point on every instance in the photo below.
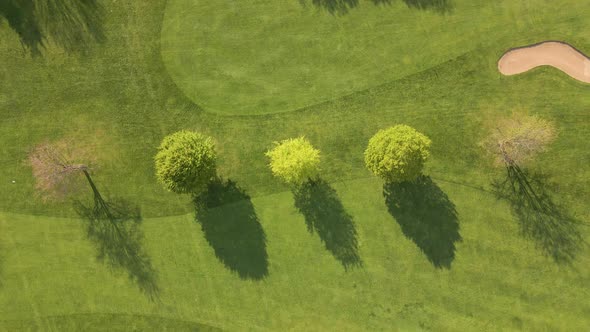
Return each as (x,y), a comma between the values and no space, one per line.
(557,54)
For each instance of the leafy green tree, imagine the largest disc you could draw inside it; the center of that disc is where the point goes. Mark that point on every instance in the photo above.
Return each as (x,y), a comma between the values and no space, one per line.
(397,154)
(294,160)
(185,162)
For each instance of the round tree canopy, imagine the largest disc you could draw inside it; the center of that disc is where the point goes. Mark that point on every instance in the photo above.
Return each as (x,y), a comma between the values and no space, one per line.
(397,154)
(185,162)
(294,160)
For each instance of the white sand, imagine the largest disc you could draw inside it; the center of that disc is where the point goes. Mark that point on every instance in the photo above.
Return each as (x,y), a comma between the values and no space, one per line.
(559,55)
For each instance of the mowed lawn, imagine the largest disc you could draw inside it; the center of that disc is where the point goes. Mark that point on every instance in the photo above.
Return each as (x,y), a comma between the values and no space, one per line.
(497,280)
(257,57)
(123,96)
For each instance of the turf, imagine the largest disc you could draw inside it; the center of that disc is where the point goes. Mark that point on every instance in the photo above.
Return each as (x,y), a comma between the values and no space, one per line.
(188,265)
(276,56)
(497,279)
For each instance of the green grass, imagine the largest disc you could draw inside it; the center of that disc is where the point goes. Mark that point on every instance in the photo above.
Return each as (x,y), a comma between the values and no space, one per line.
(497,280)
(261,57)
(98,322)
(119,100)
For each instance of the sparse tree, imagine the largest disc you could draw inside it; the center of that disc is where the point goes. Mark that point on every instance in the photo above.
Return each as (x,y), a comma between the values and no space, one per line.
(397,154)
(515,140)
(294,160)
(58,168)
(185,162)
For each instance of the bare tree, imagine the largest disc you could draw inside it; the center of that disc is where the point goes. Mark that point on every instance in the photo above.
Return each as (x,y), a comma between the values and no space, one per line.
(58,168)
(61,169)
(516,139)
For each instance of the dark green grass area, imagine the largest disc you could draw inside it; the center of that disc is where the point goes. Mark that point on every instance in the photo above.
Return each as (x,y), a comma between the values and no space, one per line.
(469,248)
(427,216)
(230,225)
(324,214)
(70,24)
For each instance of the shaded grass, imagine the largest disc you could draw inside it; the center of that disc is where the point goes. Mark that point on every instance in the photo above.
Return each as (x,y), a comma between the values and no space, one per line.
(325,215)
(114,228)
(20,17)
(231,226)
(442,6)
(341,7)
(497,278)
(555,232)
(427,216)
(333,6)
(69,24)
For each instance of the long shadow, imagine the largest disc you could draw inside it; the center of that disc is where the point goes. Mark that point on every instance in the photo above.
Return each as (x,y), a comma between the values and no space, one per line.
(333,6)
(70,24)
(427,216)
(440,6)
(114,226)
(232,228)
(553,230)
(325,215)
(21,18)
(340,7)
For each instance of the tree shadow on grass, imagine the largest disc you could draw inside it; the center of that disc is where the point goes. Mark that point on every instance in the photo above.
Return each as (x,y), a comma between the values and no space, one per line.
(232,228)
(70,24)
(325,215)
(427,216)
(114,227)
(340,7)
(540,219)
(21,19)
(439,6)
(333,6)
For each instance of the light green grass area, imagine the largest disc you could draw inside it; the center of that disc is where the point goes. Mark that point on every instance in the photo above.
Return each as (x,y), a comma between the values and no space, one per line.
(124,95)
(497,281)
(258,57)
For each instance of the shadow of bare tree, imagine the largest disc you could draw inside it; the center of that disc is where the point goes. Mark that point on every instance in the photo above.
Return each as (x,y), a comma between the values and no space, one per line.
(333,6)
(70,24)
(325,215)
(427,216)
(540,219)
(232,228)
(340,7)
(440,6)
(114,227)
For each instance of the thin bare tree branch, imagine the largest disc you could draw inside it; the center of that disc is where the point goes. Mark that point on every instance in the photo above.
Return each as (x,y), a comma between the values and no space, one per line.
(515,140)
(57,168)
